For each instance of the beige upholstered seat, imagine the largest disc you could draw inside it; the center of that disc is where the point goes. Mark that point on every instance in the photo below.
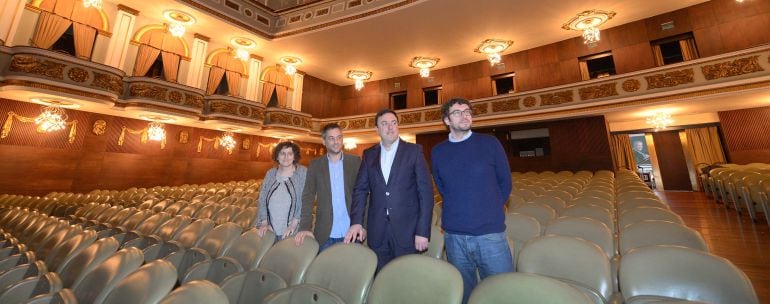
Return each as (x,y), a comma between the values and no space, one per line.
(251,286)
(417,279)
(102,279)
(584,228)
(554,202)
(520,228)
(148,285)
(674,273)
(593,212)
(652,232)
(647,213)
(196,292)
(541,212)
(346,270)
(525,288)
(244,254)
(303,293)
(436,244)
(289,261)
(578,262)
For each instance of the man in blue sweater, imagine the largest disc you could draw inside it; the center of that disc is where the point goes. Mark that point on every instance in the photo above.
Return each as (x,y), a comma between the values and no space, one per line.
(472,174)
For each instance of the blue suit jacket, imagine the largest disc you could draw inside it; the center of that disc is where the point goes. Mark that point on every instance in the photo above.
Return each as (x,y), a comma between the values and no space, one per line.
(407,196)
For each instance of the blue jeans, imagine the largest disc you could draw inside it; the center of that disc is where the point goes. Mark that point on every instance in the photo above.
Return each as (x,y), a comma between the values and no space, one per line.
(329,242)
(489,254)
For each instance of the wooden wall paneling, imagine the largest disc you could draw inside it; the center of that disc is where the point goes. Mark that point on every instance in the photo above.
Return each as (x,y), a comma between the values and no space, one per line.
(319,97)
(709,41)
(703,15)
(543,55)
(569,70)
(742,33)
(627,34)
(671,160)
(682,24)
(745,134)
(633,57)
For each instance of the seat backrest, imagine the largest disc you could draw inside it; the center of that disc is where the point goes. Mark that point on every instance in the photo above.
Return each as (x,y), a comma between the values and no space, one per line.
(554,202)
(436,244)
(289,261)
(578,262)
(219,239)
(674,272)
(345,269)
(251,286)
(190,234)
(518,287)
(135,219)
(521,228)
(196,292)
(303,293)
(150,224)
(417,279)
(647,213)
(99,282)
(148,284)
(249,248)
(69,248)
(170,228)
(541,212)
(651,232)
(592,212)
(636,202)
(246,217)
(584,228)
(72,271)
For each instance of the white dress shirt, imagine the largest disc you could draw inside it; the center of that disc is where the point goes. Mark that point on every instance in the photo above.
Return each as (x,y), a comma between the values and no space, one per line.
(386,158)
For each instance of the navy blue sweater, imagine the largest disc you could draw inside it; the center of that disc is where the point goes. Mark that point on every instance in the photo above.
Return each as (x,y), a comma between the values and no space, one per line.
(474,180)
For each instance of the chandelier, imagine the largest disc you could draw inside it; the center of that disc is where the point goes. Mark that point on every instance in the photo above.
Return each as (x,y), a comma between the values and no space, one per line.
(176,29)
(290,64)
(155,131)
(178,22)
(97,4)
(492,48)
(242,46)
(242,54)
(424,64)
(660,120)
(52,118)
(349,145)
(588,22)
(359,77)
(227,141)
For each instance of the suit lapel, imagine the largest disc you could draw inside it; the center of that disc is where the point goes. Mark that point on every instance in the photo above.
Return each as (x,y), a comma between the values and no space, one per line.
(377,164)
(326,177)
(395,167)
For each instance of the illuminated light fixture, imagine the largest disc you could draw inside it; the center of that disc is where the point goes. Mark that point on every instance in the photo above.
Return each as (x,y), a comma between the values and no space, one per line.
(492,48)
(242,46)
(290,64)
(424,64)
(179,21)
(227,141)
(588,22)
(660,120)
(349,145)
(97,4)
(156,131)
(52,118)
(359,77)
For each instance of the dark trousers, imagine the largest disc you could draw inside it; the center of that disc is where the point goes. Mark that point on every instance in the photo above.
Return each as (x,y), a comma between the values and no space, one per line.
(389,249)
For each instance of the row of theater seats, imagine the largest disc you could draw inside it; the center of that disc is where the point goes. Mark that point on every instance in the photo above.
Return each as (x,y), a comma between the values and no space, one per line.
(612,240)
(745,187)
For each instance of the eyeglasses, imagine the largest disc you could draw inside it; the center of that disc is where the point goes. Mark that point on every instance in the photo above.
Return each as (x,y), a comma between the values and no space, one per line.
(458,113)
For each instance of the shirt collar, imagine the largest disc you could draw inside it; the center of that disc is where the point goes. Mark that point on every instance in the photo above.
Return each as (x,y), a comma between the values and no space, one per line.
(393,147)
(342,157)
(467,135)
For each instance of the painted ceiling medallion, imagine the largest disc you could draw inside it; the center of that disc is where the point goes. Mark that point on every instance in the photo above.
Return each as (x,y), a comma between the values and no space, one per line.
(588,22)
(359,77)
(290,64)
(424,64)
(243,42)
(493,48)
(178,21)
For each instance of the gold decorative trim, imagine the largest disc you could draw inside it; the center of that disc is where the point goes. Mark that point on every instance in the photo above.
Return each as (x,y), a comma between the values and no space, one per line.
(670,79)
(37,85)
(143,136)
(736,67)
(99,127)
(32,65)
(598,91)
(530,101)
(8,125)
(556,98)
(128,10)
(505,105)
(631,85)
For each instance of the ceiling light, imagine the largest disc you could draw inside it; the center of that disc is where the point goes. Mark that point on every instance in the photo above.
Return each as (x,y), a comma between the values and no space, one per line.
(242,46)
(350,145)
(290,64)
(97,4)
(359,77)
(588,22)
(424,64)
(155,131)
(492,48)
(242,54)
(178,20)
(228,141)
(660,120)
(52,118)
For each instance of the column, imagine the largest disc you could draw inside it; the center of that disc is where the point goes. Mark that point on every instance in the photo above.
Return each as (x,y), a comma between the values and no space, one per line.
(253,90)
(10,16)
(295,98)
(197,61)
(121,36)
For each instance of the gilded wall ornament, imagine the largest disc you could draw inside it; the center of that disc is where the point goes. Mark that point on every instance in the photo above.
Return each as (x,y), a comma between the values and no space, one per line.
(108,82)
(669,79)
(244,111)
(218,106)
(529,101)
(32,65)
(280,118)
(631,85)
(556,98)
(184,137)
(432,115)
(343,124)
(78,75)
(175,97)
(246,143)
(296,121)
(195,101)
(148,91)
(732,68)
(505,105)
(480,109)
(598,91)
(358,123)
(257,113)
(100,126)
(411,118)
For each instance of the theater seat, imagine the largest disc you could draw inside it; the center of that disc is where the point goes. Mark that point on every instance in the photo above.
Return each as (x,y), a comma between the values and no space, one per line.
(520,228)
(303,293)
(196,292)
(149,284)
(346,270)
(674,273)
(289,261)
(245,254)
(251,286)
(525,288)
(649,233)
(647,213)
(541,212)
(417,279)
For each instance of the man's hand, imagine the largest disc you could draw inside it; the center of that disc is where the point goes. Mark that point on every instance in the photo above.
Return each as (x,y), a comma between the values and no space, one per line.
(299,238)
(420,243)
(355,233)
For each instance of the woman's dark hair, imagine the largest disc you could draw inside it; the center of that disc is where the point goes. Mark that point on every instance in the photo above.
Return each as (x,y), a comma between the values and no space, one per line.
(284,145)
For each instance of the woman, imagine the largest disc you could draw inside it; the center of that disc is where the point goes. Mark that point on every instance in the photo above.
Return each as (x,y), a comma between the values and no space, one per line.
(280,197)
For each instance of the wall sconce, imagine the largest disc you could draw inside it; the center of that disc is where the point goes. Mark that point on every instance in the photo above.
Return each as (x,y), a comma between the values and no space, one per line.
(424,64)
(492,48)
(227,140)
(156,131)
(359,77)
(349,144)
(290,64)
(52,118)
(660,120)
(242,46)
(588,22)
(179,20)
(97,4)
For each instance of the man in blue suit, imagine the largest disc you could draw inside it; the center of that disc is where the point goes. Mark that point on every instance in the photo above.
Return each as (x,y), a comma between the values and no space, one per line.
(395,178)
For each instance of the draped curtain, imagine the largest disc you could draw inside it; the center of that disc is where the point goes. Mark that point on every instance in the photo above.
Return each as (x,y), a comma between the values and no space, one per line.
(84,40)
(620,145)
(658,55)
(704,145)
(215,76)
(49,28)
(584,73)
(145,57)
(233,83)
(170,65)
(688,49)
(278,81)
